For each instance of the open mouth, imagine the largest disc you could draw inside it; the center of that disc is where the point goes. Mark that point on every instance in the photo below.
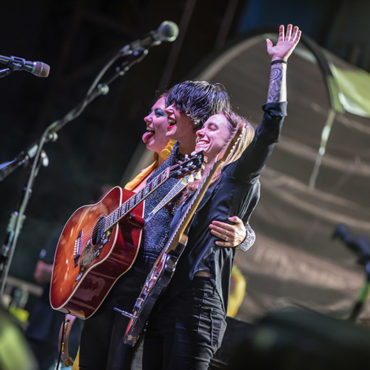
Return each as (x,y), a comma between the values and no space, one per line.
(171,122)
(202,144)
(147,136)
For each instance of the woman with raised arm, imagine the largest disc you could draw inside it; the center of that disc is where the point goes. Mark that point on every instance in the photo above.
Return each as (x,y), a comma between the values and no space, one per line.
(101,344)
(188,322)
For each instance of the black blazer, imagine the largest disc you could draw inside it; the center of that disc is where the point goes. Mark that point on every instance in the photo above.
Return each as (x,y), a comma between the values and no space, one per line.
(236,193)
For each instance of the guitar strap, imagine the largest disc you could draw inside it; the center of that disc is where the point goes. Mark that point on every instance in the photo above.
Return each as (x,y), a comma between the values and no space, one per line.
(179,186)
(63,340)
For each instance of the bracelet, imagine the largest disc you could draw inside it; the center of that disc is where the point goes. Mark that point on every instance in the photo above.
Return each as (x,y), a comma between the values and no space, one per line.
(279,61)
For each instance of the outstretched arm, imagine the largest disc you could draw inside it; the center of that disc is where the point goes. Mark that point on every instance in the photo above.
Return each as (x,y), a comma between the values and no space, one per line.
(279,56)
(253,160)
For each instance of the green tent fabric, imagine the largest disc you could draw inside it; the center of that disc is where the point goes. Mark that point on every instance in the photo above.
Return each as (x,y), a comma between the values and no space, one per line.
(14,351)
(354,90)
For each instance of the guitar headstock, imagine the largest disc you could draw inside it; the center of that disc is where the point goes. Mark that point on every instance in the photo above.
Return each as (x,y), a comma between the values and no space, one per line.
(188,166)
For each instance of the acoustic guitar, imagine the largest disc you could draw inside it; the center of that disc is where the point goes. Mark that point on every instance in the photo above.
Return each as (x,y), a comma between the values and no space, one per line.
(100,242)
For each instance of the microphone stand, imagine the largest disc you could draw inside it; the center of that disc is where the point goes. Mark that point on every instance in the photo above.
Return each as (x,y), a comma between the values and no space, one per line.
(5,72)
(36,151)
(361,247)
(362,295)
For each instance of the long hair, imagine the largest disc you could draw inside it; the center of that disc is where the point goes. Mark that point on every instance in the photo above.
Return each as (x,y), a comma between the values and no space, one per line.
(247,135)
(199,100)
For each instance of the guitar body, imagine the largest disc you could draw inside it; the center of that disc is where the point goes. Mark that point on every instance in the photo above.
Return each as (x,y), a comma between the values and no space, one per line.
(85,268)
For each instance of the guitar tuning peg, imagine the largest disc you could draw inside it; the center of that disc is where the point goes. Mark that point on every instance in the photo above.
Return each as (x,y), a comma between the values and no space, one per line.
(186,157)
(205,159)
(193,153)
(198,175)
(191,178)
(184,181)
(203,166)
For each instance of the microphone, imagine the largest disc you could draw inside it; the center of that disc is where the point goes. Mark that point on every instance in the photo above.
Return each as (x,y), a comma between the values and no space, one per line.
(38,69)
(167,31)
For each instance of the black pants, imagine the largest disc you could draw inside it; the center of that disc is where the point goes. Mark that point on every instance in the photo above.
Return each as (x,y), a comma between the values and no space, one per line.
(185,331)
(102,344)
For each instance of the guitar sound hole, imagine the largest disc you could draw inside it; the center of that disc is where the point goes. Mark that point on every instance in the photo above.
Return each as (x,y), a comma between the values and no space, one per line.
(98,231)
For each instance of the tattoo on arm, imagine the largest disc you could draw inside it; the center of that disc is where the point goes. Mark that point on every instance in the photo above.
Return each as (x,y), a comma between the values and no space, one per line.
(276,76)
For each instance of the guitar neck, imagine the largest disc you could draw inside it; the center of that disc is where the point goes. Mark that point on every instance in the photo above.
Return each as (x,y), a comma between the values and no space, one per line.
(190,210)
(119,213)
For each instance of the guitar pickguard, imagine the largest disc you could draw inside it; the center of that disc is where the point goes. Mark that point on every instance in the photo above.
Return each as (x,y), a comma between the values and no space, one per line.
(90,254)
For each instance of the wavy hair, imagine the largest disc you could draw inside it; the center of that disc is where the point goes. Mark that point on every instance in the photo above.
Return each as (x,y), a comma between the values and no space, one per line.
(247,135)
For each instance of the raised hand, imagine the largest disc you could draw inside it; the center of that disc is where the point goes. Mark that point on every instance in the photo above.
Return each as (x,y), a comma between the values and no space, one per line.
(280,53)
(286,43)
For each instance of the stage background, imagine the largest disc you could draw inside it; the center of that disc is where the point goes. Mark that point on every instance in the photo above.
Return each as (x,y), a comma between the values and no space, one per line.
(294,259)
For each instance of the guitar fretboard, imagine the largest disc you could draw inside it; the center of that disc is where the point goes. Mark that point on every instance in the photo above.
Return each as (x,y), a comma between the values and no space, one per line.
(136,199)
(191,208)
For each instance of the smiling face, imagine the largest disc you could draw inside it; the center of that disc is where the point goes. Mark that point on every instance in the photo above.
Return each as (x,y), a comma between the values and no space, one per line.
(156,127)
(213,136)
(180,128)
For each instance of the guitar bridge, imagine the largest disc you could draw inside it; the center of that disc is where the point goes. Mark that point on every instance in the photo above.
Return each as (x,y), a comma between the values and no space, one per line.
(77,248)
